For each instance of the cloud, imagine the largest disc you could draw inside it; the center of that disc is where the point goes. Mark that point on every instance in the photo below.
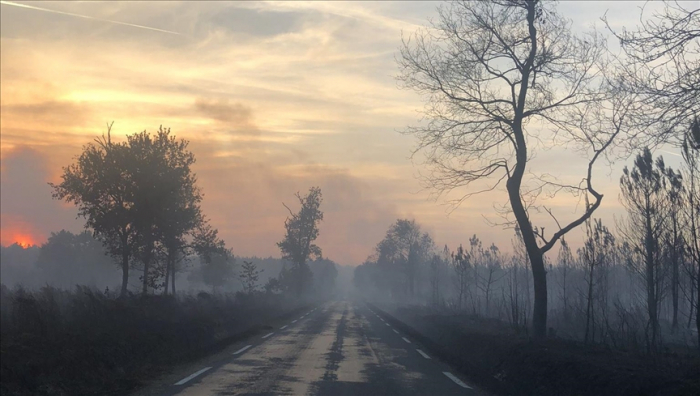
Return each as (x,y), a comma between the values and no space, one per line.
(235,116)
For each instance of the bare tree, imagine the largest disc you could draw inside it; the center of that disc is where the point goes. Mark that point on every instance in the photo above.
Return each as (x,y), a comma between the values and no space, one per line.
(565,261)
(691,155)
(462,266)
(661,67)
(498,77)
(599,244)
(643,195)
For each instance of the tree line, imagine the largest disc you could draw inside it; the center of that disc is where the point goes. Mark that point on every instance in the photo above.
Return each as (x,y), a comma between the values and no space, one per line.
(627,285)
(141,200)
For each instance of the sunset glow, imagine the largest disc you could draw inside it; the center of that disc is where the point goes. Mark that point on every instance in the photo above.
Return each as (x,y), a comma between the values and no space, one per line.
(274,97)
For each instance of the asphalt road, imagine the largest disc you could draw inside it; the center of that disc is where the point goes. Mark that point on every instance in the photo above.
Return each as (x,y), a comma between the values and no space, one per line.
(340,348)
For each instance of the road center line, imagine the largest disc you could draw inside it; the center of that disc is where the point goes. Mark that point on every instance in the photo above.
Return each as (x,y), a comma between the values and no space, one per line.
(387,324)
(294,321)
(423,354)
(186,379)
(267,335)
(283,327)
(245,348)
(395,331)
(456,380)
(406,339)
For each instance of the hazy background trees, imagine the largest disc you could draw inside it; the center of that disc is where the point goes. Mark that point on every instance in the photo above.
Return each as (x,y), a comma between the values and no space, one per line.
(298,243)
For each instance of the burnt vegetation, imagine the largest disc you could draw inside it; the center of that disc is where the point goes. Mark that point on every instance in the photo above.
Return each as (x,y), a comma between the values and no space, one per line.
(150,283)
(574,305)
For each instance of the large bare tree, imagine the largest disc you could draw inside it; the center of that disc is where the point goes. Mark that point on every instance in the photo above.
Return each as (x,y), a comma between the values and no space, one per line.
(499,78)
(660,62)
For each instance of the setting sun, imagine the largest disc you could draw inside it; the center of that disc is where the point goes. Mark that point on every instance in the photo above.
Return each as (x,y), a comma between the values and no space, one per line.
(24,240)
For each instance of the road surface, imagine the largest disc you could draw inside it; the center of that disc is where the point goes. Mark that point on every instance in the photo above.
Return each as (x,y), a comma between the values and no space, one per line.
(340,348)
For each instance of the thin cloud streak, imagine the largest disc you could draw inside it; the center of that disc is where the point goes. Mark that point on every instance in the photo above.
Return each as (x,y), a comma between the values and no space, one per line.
(10,3)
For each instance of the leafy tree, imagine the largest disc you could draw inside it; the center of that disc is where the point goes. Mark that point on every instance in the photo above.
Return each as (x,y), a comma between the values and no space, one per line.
(139,197)
(69,259)
(405,249)
(103,191)
(166,199)
(301,231)
(249,276)
(498,76)
(219,270)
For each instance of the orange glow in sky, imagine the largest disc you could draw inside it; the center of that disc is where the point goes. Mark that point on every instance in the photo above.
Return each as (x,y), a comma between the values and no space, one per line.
(24,240)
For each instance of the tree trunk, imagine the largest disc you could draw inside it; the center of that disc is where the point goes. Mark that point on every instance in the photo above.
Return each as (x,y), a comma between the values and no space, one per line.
(651,281)
(125,270)
(697,305)
(167,274)
(675,283)
(146,267)
(172,277)
(539,275)
(589,305)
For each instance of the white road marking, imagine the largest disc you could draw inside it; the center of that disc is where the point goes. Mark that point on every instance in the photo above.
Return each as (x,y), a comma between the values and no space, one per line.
(406,339)
(294,321)
(456,380)
(245,348)
(267,335)
(186,379)
(423,354)
(283,327)
(395,331)
(387,324)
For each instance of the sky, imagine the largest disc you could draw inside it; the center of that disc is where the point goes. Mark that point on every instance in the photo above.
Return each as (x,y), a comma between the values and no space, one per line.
(274,97)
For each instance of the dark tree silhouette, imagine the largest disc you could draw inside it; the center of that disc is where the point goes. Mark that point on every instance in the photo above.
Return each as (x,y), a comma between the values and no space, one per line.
(139,197)
(218,270)
(662,67)
(406,249)
(644,196)
(103,192)
(249,276)
(498,76)
(597,250)
(691,155)
(301,232)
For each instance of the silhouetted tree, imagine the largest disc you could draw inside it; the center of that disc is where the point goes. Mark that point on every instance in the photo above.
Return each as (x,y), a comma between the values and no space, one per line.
(461,266)
(405,248)
(565,261)
(249,276)
(595,253)
(644,196)
(301,231)
(662,67)
(104,193)
(490,69)
(218,270)
(691,155)
(68,259)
